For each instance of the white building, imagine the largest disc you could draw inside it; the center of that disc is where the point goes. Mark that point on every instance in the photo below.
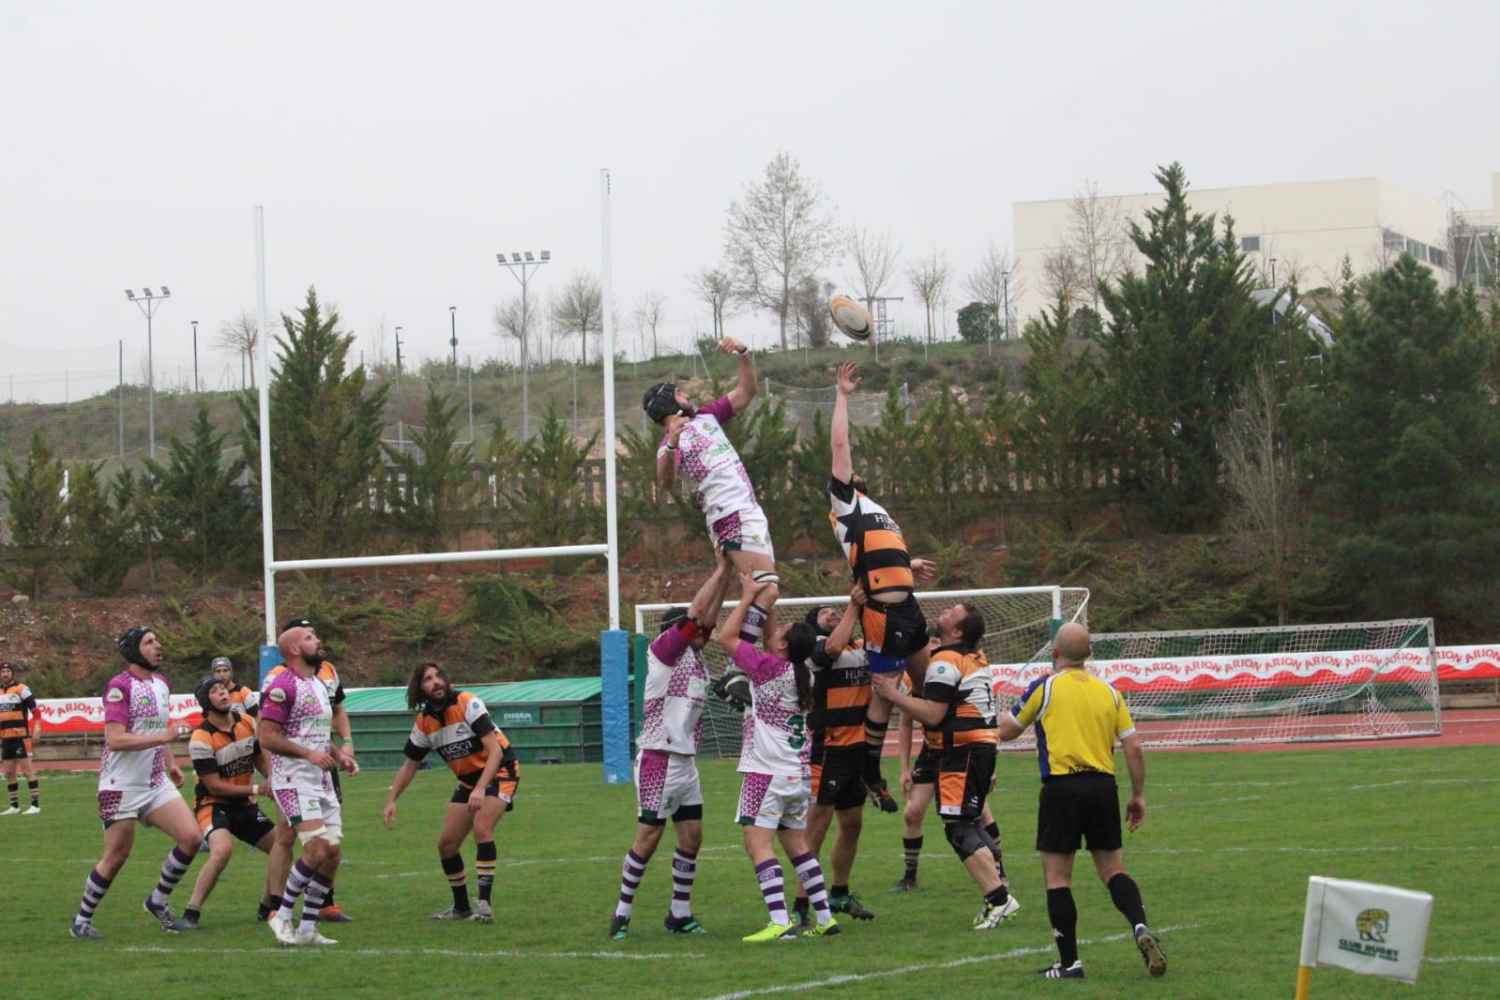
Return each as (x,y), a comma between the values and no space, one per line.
(1302,230)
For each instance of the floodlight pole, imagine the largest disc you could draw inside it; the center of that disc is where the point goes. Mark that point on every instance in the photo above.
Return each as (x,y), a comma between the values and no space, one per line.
(453,339)
(520,265)
(195,357)
(148,303)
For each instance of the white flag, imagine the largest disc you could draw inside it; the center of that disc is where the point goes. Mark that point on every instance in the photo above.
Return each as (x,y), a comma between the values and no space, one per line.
(1377,930)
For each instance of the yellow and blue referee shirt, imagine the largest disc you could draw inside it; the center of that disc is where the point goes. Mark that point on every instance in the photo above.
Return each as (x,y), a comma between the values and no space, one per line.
(1078,718)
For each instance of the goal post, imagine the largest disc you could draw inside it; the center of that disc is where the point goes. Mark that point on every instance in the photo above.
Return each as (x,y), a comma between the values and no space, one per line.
(1284,684)
(1020,623)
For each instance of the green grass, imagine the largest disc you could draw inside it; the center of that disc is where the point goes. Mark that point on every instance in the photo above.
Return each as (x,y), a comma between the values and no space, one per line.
(1223,859)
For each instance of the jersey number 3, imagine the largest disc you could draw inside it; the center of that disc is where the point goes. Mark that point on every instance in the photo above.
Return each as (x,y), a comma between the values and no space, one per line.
(798,725)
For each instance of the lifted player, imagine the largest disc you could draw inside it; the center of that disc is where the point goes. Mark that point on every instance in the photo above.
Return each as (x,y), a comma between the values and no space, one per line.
(957,710)
(226,755)
(18,720)
(666,769)
(696,449)
(895,633)
(774,760)
(458,726)
(138,782)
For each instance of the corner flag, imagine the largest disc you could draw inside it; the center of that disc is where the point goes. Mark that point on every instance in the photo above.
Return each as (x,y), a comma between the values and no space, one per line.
(1377,930)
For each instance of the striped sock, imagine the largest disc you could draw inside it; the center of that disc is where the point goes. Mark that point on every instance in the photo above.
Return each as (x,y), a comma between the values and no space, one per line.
(313,899)
(484,865)
(296,881)
(874,747)
(754,624)
(458,881)
(172,869)
(810,874)
(911,852)
(94,888)
(684,870)
(35,787)
(773,888)
(630,881)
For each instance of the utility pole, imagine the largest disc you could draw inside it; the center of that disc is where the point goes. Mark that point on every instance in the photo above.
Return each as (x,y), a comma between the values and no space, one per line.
(471,398)
(1005,281)
(120,404)
(520,265)
(453,339)
(148,304)
(196,388)
(399,433)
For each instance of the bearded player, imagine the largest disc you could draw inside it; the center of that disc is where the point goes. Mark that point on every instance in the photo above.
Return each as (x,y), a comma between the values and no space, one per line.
(296,720)
(895,633)
(458,726)
(328,676)
(18,719)
(226,755)
(138,782)
(695,448)
(666,769)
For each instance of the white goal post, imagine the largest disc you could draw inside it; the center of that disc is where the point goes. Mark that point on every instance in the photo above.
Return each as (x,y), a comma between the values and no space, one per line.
(1019,625)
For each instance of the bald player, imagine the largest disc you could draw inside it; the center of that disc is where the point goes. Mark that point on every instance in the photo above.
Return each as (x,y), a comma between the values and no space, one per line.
(1078,718)
(296,721)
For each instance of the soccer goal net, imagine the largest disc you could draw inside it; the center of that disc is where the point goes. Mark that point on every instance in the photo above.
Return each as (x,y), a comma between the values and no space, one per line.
(1350,681)
(1019,624)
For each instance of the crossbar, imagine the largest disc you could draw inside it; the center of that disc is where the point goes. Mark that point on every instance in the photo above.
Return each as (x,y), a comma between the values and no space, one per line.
(419,558)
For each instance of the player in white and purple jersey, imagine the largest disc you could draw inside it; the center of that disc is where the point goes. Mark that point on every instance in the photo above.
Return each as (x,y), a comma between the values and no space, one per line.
(695,449)
(138,782)
(774,755)
(296,722)
(666,769)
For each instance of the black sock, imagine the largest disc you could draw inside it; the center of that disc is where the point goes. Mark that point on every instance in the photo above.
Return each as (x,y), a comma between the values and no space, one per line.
(328,903)
(1063,914)
(874,747)
(839,890)
(1127,898)
(800,906)
(458,881)
(15,797)
(268,905)
(997,897)
(193,912)
(484,864)
(36,791)
(911,850)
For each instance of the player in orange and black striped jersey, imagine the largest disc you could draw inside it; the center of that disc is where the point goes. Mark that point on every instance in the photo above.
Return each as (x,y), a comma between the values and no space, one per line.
(957,710)
(242,700)
(457,725)
(18,718)
(226,755)
(895,633)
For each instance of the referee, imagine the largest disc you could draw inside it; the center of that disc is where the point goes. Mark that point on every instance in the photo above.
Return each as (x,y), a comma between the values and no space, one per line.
(1078,717)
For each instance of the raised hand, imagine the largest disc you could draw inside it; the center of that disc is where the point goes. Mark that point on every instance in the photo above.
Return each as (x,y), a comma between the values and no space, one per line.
(848,380)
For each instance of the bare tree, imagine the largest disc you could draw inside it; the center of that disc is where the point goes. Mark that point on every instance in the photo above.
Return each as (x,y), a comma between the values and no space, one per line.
(648,313)
(996,281)
(241,335)
(874,255)
(776,235)
(1096,238)
(929,280)
(1260,465)
(1062,276)
(580,309)
(716,289)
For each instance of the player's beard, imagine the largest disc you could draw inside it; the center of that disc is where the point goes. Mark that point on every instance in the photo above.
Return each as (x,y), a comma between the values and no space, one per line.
(315,658)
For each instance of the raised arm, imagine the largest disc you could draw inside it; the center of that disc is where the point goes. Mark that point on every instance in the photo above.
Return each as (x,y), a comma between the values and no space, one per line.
(666,455)
(751,592)
(747,386)
(710,596)
(838,431)
(839,639)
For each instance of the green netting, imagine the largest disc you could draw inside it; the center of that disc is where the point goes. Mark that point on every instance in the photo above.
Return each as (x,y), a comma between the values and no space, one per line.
(558,689)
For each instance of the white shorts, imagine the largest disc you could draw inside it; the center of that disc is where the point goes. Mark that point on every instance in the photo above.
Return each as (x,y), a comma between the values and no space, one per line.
(773,803)
(309,804)
(116,804)
(666,782)
(746,530)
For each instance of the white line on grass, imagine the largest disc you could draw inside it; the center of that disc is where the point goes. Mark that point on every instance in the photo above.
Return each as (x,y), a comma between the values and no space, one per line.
(859,977)
(1206,802)
(1426,781)
(1462,958)
(422,952)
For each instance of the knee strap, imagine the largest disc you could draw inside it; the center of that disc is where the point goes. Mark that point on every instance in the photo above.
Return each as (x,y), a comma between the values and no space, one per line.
(965,836)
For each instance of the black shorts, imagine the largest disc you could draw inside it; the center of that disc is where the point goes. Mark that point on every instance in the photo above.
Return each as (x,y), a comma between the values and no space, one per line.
(1079,808)
(963,780)
(15,748)
(896,630)
(502,787)
(924,770)
(243,820)
(838,777)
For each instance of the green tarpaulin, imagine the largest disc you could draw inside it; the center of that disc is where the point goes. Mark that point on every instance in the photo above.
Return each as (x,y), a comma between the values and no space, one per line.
(559,689)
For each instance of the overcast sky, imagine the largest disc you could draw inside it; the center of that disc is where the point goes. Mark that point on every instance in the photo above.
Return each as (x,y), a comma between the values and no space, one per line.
(396,147)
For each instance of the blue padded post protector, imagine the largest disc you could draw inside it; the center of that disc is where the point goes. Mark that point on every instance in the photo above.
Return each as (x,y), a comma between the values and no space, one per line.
(614,670)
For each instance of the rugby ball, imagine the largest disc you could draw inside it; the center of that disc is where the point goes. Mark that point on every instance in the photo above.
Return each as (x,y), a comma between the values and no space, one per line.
(852,319)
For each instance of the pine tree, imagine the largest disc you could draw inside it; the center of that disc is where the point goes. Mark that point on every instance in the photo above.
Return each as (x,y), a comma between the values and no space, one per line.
(102,544)
(207,517)
(35,517)
(1404,437)
(434,484)
(1181,338)
(325,432)
(548,495)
